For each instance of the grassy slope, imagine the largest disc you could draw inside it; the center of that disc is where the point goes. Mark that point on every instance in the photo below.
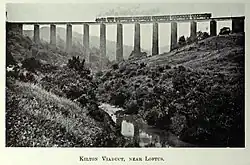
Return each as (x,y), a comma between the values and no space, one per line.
(219,53)
(35,117)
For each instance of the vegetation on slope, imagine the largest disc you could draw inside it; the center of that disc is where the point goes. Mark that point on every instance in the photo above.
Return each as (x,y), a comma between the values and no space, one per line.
(35,117)
(22,47)
(50,105)
(196,92)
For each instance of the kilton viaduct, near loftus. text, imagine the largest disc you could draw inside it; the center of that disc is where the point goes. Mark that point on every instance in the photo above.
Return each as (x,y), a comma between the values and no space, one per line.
(237,26)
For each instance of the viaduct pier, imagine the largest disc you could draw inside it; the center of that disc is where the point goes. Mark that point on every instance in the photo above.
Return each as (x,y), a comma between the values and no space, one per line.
(237,26)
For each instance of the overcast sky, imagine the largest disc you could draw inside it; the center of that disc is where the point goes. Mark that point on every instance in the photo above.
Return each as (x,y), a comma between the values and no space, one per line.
(88,12)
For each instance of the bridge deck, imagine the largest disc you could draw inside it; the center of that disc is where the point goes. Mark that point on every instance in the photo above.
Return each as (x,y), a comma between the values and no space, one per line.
(141,22)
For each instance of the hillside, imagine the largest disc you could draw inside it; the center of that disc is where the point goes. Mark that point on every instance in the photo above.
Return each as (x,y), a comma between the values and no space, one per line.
(196,92)
(94,41)
(44,119)
(49,104)
(213,53)
(22,47)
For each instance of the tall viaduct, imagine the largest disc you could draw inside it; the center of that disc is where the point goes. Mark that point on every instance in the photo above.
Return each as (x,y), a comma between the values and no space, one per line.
(237,26)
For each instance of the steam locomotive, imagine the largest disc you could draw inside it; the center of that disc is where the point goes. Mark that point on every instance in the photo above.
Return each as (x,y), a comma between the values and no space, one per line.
(155,18)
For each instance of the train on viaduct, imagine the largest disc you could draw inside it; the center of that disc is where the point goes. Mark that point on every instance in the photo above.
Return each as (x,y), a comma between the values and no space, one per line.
(237,26)
(154,18)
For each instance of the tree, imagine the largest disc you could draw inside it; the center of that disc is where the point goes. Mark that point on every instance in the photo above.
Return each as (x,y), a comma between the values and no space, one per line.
(224,30)
(188,40)
(182,41)
(202,35)
(205,35)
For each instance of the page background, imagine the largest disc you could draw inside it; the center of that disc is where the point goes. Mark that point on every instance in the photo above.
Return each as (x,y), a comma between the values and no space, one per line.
(172,156)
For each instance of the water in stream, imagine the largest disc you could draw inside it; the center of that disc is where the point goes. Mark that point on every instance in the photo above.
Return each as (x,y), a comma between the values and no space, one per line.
(148,136)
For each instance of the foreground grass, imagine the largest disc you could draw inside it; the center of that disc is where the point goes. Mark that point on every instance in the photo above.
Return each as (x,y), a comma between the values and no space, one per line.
(35,117)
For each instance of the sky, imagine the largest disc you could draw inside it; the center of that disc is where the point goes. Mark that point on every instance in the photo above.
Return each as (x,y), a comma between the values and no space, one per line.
(88,12)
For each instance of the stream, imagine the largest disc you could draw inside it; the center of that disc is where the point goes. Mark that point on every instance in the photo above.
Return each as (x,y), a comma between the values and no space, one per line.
(133,127)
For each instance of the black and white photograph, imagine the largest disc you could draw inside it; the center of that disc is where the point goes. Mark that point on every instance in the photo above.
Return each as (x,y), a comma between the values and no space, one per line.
(125,75)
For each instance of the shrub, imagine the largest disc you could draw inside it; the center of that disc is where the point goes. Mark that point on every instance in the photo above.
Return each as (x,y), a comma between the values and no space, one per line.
(115,66)
(31,64)
(118,98)
(132,107)
(182,41)
(224,30)
(10,59)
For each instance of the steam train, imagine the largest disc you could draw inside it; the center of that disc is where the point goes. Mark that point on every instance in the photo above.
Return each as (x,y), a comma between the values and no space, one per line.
(155,18)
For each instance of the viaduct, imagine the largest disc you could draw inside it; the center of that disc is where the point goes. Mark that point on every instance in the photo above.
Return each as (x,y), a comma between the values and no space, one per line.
(237,26)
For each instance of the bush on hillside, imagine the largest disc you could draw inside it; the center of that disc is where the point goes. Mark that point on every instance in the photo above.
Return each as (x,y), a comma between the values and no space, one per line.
(137,55)
(224,31)
(199,36)
(202,35)
(31,64)
(182,41)
(10,59)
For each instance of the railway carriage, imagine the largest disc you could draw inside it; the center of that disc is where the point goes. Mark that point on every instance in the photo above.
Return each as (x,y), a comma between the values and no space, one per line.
(129,19)
(145,18)
(111,19)
(201,16)
(155,18)
(123,19)
(161,18)
(101,19)
(180,17)
(136,19)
